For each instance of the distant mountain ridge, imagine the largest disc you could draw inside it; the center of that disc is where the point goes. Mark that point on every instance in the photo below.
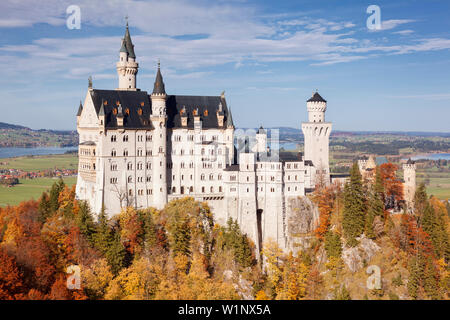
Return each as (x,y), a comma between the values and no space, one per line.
(4,125)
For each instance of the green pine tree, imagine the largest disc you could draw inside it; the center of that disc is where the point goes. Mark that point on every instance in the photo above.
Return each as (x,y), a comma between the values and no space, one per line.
(103,236)
(44,207)
(431,280)
(375,205)
(55,190)
(333,244)
(116,254)
(85,222)
(354,207)
(181,235)
(420,200)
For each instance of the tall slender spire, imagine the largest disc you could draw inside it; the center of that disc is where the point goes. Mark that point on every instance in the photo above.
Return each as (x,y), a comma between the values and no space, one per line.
(80,109)
(230,118)
(159,87)
(129,45)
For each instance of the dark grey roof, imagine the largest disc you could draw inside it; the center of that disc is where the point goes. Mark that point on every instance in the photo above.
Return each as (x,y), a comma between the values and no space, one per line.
(233,167)
(135,100)
(316,98)
(410,161)
(159,87)
(261,130)
(88,143)
(123,48)
(290,156)
(129,44)
(131,100)
(210,104)
(80,109)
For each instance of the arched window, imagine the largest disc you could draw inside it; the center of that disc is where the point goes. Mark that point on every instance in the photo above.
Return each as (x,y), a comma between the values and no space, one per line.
(130,179)
(125,138)
(220,189)
(202,177)
(129,166)
(113,153)
(203,189)
(125,153)
(211,189)
(191,189)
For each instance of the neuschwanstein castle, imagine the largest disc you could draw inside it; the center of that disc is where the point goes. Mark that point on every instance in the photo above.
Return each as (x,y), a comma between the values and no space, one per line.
(143,150)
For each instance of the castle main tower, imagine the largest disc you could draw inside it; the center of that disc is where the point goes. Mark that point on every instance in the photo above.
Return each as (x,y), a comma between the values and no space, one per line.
(127,67)
(317,136)
(159,121)
(409,187)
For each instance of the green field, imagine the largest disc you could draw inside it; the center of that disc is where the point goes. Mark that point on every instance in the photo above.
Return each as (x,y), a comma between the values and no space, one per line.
(34,163)
(29,189)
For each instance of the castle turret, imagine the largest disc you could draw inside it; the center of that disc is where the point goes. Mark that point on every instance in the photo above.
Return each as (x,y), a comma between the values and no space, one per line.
(127,67)
(409,187)
(159,120)
(317,135)
(80,110)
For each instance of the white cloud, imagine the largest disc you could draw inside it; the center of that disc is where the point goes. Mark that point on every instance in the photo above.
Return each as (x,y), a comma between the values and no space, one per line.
(391,24)
(404,32)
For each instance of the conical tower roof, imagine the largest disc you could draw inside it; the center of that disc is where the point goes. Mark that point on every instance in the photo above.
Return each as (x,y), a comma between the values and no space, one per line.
(159,87)
(128,44)
(80,109)
(230,119)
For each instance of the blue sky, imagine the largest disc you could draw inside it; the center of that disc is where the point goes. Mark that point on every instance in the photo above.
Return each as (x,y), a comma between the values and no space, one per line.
(268,56)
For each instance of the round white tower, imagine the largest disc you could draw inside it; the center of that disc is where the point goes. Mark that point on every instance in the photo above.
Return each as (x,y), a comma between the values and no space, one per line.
(409,187)
(317,135)
(159,121)
(127,67)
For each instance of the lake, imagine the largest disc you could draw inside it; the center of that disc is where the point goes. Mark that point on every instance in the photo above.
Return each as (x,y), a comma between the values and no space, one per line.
(433,156)
(17,152)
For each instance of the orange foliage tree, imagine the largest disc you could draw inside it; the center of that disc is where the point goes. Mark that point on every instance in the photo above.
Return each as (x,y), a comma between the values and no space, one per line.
(393,187)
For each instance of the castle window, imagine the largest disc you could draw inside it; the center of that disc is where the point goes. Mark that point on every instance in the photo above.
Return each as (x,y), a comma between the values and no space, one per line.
(113,138)
(113,167)
(203,189)
(174,190)
(191,189)
(148,138)
(114,111)
(219,177)
(149,179)
(148,152)
(130,179)
(202,177)
(113,153)
(125,138)
(139,153)
(205,113)
(220,189)
(247,190)
(211,189)
(211,177)
(129,166)
(149,165)
(248,179)
(130,192)
(127,111)
(139,166)
(182,165)
(161,150)
(140,111)
(149,191)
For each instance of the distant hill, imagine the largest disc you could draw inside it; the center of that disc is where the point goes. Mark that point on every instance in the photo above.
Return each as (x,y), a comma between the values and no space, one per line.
(12,135)
(4,125)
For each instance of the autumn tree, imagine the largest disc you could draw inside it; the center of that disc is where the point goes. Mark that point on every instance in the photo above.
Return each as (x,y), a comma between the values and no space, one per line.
(11,286)
(392,185)
(324,199)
